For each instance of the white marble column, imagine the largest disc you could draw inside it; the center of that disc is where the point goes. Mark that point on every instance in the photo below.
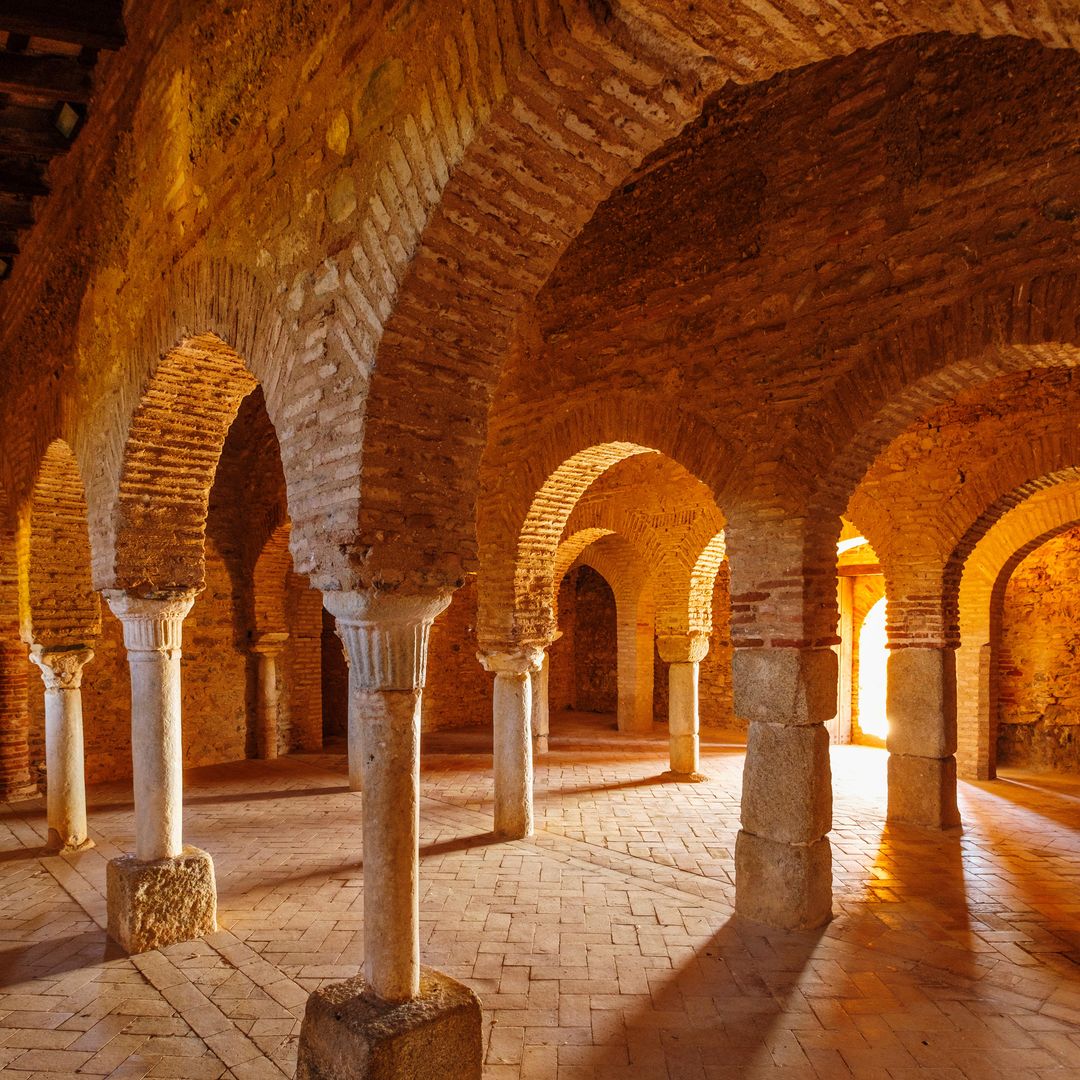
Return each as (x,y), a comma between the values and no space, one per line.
(61,669)
(386,638)
(683,653)
(512,737)
(152,631)
(541,715)
(267,647)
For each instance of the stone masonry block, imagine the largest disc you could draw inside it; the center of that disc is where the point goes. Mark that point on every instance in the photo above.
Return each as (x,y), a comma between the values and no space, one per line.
(154,904)
(788,886)
(785,685)
(351,1034)
(922,791)
(921,702)
(787,783)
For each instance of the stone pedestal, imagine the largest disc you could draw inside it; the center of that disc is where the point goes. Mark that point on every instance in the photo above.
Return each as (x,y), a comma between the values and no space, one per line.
(783,863)
(512,737)
(683,653)
(61,670)
(267,648)
(921,707)
(154,904)
(386,637)
(349,1033)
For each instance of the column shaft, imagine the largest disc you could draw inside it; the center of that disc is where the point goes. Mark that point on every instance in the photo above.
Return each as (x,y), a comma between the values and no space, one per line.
(391,768)
(783,863)
(61,671)
(683,717)
(541,715)
(513,755)
(157,754)
(152,634)
(386,638)
(921,706)
(268,706)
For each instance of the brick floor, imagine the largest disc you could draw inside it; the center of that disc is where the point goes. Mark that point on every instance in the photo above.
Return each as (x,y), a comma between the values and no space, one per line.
(605,947)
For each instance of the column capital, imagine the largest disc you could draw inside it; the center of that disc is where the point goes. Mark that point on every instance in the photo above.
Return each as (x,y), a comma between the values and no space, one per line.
(61,666)
(151,623)
(386,635)
(689,648)
(268,644)
(520,661)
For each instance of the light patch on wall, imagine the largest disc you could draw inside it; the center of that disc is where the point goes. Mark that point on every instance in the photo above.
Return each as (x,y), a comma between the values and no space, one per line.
(873,657)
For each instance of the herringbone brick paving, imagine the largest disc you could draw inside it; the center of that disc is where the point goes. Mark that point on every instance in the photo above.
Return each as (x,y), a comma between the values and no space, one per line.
(605,947)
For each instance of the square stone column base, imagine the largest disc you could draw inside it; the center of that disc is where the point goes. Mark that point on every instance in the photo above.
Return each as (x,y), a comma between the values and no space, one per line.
(922,791)
(350,1034)
(154,904)
(788,886)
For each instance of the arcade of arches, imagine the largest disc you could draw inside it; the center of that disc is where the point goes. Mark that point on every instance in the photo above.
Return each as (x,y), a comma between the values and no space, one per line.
(582,496)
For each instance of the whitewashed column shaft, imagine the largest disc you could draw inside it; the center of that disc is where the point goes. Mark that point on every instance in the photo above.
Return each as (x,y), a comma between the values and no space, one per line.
(152,636)
(386,638)
(61,671)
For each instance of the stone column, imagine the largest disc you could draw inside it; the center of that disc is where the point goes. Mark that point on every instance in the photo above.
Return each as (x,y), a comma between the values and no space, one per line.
(166,892)
(61,670)
(267,647)
(683,653)
(371,1025)
(783,863)
(921,706)
(512,735)
(541,713)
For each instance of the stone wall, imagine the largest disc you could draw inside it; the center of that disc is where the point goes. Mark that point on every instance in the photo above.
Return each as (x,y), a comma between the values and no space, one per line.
(1039,659)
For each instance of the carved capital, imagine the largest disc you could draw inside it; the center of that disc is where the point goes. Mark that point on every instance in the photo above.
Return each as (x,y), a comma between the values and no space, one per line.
(689,648)
(385,636)
(151,624)
(521,661)
(269,644)
(61,668)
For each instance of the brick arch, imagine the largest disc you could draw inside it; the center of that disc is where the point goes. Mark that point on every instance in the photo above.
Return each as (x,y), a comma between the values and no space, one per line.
(684,567)
(923,557)
(607,85)
(906,375)
(978,576)
(240,315)
(151,534)
(703,582)
(270,582)
(61,606)
(531,490)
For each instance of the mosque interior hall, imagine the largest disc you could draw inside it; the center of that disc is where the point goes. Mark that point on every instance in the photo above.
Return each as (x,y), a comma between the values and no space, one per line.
(539,540)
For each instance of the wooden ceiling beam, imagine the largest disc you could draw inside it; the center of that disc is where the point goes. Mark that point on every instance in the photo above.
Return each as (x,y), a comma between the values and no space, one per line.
(16,214)
(25,182)
(98,24)
(26,132)
(51,78)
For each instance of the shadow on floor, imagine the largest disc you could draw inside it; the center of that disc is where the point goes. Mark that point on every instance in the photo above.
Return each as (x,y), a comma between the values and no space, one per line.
(56,956)
(18,854)
(720,1008)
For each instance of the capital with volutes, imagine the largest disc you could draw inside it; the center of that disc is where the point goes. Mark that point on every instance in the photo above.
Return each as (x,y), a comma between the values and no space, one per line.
(61,666)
